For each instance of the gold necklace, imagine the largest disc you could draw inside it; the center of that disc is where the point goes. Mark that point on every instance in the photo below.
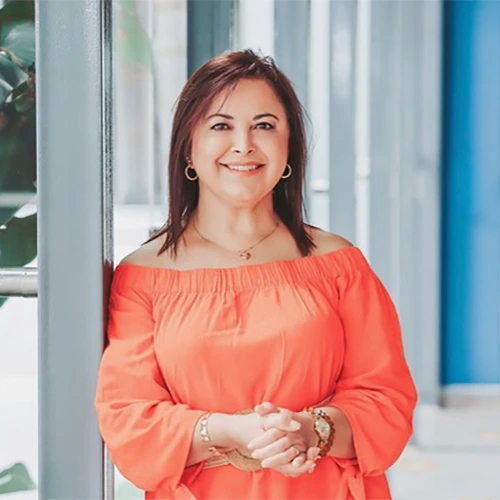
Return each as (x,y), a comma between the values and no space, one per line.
(242,254)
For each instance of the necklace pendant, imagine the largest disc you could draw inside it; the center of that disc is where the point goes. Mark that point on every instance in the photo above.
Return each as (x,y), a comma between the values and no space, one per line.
(244,255)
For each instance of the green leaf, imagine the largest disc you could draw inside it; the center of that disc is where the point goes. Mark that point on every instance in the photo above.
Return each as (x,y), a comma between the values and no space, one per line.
(10,76)
(5,90)
(16,478)
(18,241)
(24,96)
(18,38)
(10,71)
(17,161)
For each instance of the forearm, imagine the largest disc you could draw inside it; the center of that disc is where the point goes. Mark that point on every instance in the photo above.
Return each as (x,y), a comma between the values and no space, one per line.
(343,444)
(221,429)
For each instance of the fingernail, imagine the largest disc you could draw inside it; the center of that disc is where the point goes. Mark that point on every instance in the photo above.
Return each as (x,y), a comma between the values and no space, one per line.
(250,446)
(294,425)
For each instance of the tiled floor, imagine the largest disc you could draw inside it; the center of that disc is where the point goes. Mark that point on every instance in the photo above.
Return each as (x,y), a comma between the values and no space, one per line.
(446,475)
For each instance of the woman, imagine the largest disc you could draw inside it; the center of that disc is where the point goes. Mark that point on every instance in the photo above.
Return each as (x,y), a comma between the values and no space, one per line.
(250,355)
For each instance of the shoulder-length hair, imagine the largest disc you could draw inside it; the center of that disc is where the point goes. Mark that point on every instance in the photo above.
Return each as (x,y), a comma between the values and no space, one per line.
(219,74)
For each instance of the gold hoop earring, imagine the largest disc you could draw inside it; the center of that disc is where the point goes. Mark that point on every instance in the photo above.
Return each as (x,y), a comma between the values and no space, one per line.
(286,176)
(187,174)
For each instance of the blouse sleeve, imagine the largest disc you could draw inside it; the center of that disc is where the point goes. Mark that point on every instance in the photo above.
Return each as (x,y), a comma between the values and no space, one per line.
(148,436)
(375,390)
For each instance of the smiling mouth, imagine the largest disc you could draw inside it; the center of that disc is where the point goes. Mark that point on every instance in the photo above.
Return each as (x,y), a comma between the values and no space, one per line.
(242,168)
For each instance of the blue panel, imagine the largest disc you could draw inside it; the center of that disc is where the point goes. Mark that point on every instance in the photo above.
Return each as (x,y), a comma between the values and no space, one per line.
(471,193)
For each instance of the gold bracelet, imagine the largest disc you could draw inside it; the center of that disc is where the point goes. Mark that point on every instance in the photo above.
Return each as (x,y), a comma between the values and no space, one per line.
(205,436)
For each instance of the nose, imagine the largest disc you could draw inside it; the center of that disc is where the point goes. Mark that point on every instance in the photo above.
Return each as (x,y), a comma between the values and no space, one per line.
(243,142)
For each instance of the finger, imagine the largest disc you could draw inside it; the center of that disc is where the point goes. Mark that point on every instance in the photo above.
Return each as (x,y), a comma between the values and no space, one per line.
(282,420)
(282,458)
(275,448)
(291,470)
(300,460)
(269,437)
(269,407)
(266,408)
(313,453)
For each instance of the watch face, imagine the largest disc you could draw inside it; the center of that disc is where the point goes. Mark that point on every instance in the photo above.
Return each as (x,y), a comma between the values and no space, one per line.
(323,428)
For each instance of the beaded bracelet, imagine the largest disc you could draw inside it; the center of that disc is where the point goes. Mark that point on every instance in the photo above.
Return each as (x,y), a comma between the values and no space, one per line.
(205,437)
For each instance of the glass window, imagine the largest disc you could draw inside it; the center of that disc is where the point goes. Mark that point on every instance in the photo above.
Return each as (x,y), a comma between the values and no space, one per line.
(18,248)
(150,68)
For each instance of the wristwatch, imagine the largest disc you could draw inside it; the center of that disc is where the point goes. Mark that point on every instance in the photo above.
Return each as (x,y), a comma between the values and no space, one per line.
(324,428)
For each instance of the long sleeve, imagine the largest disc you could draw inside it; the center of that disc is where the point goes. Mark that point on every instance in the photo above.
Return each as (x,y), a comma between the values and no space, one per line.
(148,436)
(375,391)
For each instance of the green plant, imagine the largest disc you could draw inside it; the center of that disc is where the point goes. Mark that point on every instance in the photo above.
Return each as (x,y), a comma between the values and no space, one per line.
(16,478)
(17,161)
(17,133)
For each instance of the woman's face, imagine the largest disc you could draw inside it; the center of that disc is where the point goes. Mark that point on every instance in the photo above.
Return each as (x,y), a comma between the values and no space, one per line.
(240,148)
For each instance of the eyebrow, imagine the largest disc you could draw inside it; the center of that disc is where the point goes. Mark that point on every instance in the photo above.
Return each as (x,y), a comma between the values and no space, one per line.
(256,117)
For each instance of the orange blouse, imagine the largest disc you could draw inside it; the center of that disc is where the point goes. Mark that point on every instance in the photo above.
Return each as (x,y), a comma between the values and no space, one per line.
(290,332)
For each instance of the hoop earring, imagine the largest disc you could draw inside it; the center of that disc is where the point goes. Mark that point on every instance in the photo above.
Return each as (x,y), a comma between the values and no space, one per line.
(187,174)
(286,176)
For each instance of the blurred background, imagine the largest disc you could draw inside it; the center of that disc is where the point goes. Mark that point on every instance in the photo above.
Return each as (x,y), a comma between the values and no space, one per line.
(403,98)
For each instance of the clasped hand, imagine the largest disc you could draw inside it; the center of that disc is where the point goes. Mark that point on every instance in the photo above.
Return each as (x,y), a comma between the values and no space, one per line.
(285,440)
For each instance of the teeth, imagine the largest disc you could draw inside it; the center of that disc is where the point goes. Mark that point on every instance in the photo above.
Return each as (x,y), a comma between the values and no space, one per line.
(243,168)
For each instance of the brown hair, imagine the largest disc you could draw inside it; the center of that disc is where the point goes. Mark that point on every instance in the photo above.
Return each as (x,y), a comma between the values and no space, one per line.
(218,74)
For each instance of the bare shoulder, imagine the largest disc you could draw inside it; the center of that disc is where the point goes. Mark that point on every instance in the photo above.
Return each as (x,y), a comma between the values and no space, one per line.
(327,242)
(147,255)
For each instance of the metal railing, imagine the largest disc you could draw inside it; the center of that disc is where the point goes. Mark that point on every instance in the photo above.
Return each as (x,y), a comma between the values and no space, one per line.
(19,282)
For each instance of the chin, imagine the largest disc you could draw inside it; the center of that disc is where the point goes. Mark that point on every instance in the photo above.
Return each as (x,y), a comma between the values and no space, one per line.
(245,200)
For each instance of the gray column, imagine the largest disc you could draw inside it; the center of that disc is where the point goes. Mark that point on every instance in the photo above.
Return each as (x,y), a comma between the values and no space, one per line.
(405,110)
(75,246)
(343,119)
(210,24)
(291,42)
(291,51)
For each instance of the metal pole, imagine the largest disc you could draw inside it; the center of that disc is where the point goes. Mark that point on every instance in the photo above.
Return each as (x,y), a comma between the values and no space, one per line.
(18,282)
(74,240)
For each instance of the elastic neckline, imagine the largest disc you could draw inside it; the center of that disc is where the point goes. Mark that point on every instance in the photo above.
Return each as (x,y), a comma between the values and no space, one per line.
(311,267)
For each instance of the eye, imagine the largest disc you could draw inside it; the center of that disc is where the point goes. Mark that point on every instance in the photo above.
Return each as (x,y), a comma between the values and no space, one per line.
(264,126)
(220,126)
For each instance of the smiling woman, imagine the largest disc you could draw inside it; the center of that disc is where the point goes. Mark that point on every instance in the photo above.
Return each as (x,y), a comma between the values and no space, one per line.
(246,347)
(239,156)
(238,119)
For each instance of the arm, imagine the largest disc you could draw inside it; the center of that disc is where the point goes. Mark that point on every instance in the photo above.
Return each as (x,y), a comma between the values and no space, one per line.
(267,446)
(343,444)
(149,437)
(375,396)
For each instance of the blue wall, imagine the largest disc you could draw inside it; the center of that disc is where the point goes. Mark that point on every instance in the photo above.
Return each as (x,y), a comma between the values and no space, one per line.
(471,193)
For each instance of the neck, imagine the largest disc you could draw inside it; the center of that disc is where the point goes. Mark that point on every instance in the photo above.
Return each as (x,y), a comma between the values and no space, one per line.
(234,227)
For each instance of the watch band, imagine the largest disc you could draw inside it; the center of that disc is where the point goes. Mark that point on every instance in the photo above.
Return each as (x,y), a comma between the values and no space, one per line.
(324,427)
